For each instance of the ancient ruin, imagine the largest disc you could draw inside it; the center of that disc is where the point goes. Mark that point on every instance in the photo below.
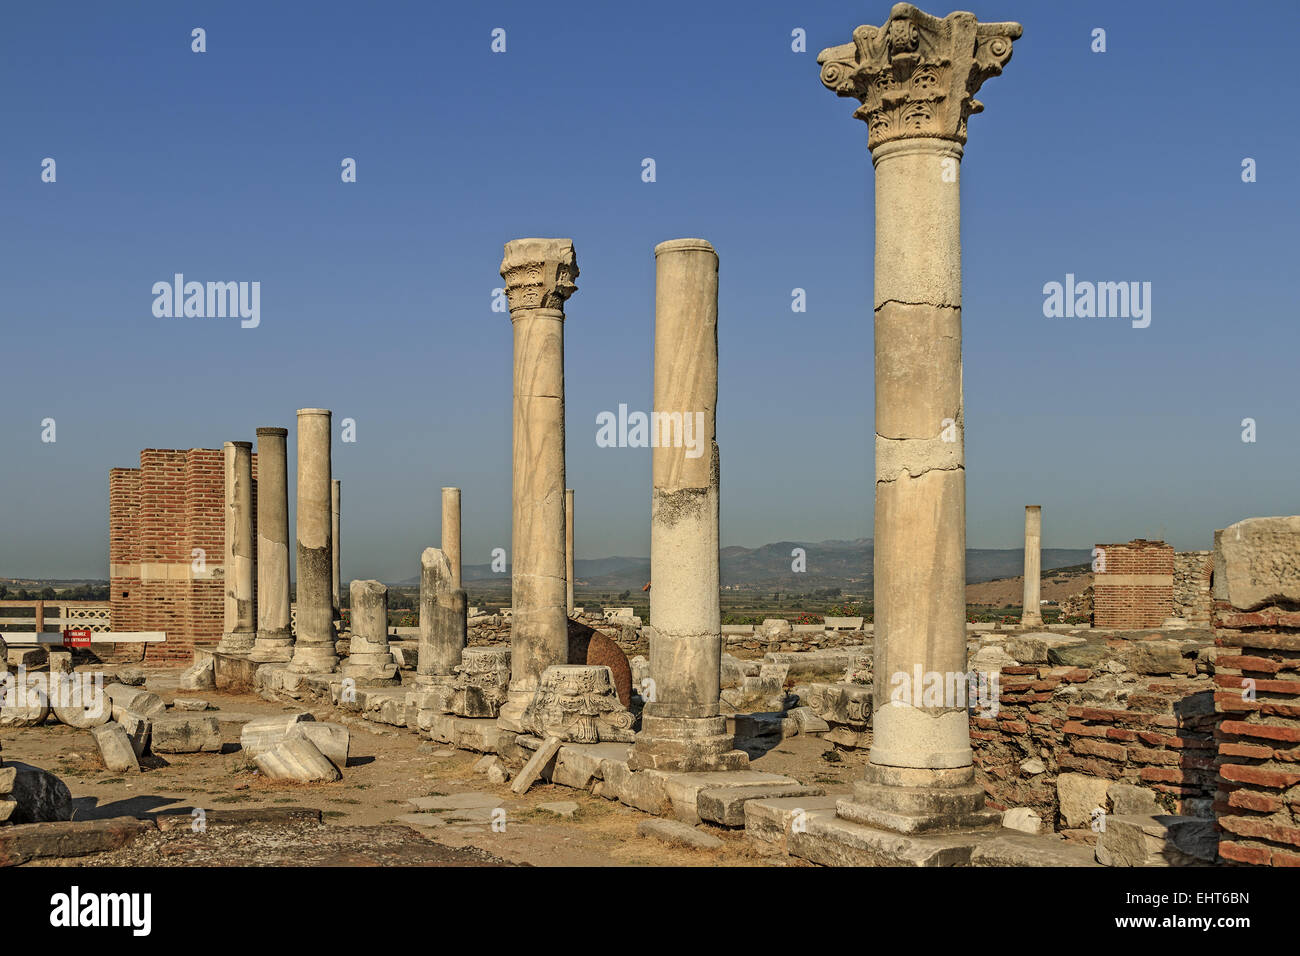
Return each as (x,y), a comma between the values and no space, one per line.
(539,276)
(225,701)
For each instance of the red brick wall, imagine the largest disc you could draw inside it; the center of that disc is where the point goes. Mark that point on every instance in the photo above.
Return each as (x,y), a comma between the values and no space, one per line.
(1136,587)
(124,547)
(158,514)
(1258,671)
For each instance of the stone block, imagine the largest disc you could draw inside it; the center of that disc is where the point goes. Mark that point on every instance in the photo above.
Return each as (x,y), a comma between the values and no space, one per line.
(40,795)
(771,819)
(1024,819)
(333,740)
(71,838)
(187,734)
(676,833)
(1156,657)
(726,805)
(135,700)
(115,748)
(536,764)
(199,676)
(265,733)
(139,730)
(297,758)
(1078,796)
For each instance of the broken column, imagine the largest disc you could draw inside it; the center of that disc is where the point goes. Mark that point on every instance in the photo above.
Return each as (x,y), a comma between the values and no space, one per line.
(568,545)
(442,620)
(313,651)
(915,78)
(451,532)
(539,276)
(274,635)
(240,629)
(336,502)
(369,658)
(681,728)
(1031,614)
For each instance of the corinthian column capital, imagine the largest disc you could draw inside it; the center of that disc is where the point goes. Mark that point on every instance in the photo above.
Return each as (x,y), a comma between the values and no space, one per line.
(917,75)
(539,273)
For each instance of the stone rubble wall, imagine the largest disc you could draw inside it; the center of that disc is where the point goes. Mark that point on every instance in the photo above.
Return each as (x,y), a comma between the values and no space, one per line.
(1192,599)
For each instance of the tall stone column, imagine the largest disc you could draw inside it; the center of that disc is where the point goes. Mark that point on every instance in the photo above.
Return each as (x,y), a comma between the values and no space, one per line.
(369,658)
(442,620)
(1031,613)
(451,532)
(681,728)
(241,600)
(539,276)
(915,78)
(568,545)
(274,636)
(336,508)
(313,651)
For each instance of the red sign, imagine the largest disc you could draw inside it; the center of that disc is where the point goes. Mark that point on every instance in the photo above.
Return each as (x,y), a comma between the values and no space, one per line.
(76,637)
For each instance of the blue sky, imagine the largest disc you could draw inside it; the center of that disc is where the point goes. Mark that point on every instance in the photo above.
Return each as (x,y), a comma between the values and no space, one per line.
(376,295)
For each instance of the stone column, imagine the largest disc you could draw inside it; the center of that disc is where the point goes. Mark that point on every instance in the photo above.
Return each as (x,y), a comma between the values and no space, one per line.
(241,601)
(539,276)
(568,545)
(681,728)
(369,658)
(336,506)
(442,620)
(313,651)
(1031,614)
(915,78)
(274,636)
(451,532)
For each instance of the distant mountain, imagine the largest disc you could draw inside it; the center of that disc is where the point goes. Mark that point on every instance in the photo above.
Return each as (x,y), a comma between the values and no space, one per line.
(844,564)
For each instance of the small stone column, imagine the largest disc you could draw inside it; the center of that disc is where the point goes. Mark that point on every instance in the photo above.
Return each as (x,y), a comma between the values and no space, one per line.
(336,507)
(313,651)
(1031,614)
(568,545)
(274,635)
(539,276)
(241,600)
(451,532)
(442,620)
(915,78)
(369,658)
(681,728)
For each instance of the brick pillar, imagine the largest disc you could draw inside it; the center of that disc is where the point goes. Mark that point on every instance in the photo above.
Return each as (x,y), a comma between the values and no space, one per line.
(1257,630)
(1133,587)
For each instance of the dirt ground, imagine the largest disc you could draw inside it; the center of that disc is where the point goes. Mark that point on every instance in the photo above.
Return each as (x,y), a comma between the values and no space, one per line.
(387,767)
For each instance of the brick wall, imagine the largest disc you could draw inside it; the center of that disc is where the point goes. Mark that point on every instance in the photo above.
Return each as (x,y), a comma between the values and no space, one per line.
(1136,587)
(1159,737)
(1257,630)
(159,514)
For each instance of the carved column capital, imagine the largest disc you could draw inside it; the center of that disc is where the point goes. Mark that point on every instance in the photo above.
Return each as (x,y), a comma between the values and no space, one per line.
(539,273)
(917,75)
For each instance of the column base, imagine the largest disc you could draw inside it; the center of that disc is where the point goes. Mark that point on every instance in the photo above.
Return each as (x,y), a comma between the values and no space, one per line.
(685,745)
(1035,620)
(237,642)
(272,647)
(371,668)
(314,658)
(511,715)
(918,800)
